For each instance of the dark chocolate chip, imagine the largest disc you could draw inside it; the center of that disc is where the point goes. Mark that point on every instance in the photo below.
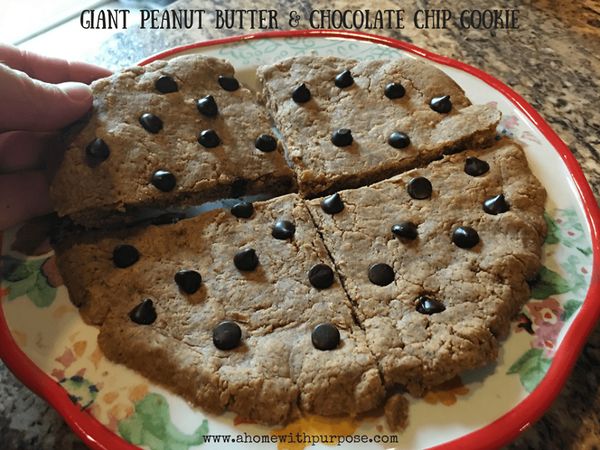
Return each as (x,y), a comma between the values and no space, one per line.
(419,188)
(441,105)
(496,205)
(332,204)
(189,281)
(96,152)
(407,230)
(209,138)
(242,209)
(426,305)
(207,106)
(246,260)
(166,84)
(341,137)
(325,336)
(394,90)
(283,229)
(301,94)
(266,143)
(125,255)
(151,123)
(475,166)
(229,83)
(144,313)
(163,180)
(465,237)
(381,274)
(227,335)
(399,140)
(344,79)
(320,276)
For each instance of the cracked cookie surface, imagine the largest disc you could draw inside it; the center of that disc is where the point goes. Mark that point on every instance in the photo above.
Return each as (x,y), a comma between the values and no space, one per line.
(276,371)
(118,178)
(472,293)
(364,108)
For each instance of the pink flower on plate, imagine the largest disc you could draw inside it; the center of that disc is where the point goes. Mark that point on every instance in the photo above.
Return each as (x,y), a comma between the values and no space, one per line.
(546,318)
(509,122)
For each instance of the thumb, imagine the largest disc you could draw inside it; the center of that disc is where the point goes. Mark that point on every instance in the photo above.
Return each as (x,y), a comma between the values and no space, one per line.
(29,104)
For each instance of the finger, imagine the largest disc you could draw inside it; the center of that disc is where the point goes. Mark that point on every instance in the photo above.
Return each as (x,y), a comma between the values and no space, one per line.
(29,104)
(23,196)
(50,70)
(23,150)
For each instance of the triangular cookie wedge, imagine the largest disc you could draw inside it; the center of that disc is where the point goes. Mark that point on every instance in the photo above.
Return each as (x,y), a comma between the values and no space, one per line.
(348,123)
(264,272)
(436,261)
(175,132)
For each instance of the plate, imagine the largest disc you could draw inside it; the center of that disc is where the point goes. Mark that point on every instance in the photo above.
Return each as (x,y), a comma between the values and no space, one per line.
(47,345)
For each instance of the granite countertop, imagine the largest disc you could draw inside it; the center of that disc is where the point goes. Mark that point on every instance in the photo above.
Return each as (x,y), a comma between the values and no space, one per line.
(553,61)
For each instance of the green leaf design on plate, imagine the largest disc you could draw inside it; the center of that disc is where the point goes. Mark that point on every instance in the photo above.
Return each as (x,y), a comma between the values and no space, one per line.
(570,307)
(151,425)
(531,367)
(553,236)
(25,278)
(549,283)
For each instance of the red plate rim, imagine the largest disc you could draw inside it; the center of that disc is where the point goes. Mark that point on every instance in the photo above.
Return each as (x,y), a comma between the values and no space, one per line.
(495,434)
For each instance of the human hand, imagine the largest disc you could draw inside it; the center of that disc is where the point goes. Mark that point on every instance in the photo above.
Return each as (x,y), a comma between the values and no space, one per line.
(38,97)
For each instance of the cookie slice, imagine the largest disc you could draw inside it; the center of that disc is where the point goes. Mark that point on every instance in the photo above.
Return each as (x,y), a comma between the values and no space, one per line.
(235,310)
(348,123)
(175,132)
(436,261)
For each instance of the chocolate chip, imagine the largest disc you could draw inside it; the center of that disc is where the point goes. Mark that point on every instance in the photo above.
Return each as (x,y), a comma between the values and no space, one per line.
(266,143)
(344,79)
(207,106)
(165,84)
(96,152)
(394,90)
(407,230)
(283,229)
(151,123)
(242,209)
(320,276)
(209,138)
(227,335)
(441,105)
(475,166)
(163,180)
(325,336)
(381,274)
(341,137)
(301,94)
(144,313)
(125,255)
(246,260)
(189,281)
(465,237)
(419,188)
(454,149)
(332,204)
(399,140)
(228,83)
(496,205)
(426,305)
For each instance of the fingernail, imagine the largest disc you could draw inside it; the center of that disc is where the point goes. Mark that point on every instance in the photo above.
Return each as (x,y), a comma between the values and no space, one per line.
(76,91)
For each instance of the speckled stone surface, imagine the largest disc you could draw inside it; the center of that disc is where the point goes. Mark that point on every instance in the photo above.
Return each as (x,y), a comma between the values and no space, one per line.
(553,61)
